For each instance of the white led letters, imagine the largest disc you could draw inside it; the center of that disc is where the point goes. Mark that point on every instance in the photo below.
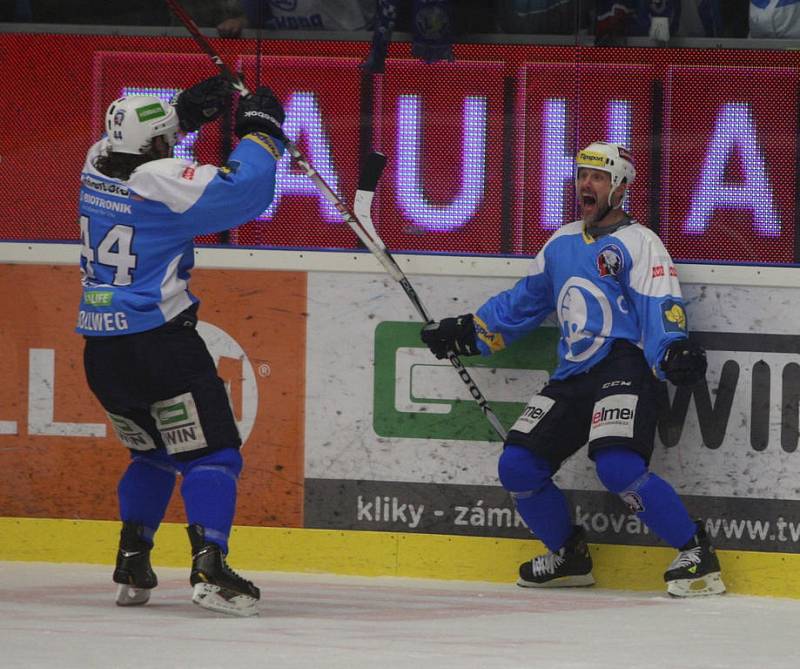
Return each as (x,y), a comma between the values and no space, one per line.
(304,119)
(734,138)
(417,208)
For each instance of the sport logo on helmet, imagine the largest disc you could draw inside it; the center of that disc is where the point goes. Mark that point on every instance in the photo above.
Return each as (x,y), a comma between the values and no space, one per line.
(624,153)
(610,261)
(594,159)
(151,111)
(119,116)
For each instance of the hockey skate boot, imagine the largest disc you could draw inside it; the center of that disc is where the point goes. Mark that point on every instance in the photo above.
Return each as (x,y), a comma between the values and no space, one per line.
(695,571)
(569,566)
(216,586)
(133,571)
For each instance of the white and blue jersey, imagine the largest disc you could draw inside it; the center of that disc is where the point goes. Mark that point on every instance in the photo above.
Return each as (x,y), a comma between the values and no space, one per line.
(623,286)
(775,18)
(137,235)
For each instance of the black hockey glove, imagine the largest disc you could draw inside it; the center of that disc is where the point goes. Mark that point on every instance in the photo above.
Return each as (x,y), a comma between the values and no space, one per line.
(684,363)
(202,102)
(456,335)
(259,112)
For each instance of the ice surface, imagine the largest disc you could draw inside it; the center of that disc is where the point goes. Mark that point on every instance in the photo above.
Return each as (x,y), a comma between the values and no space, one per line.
(55,615)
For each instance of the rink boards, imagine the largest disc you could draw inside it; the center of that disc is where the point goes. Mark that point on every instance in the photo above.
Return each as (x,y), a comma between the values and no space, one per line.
(364,455)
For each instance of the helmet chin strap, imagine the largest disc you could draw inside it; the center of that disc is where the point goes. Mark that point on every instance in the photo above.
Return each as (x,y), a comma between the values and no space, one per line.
(611,205)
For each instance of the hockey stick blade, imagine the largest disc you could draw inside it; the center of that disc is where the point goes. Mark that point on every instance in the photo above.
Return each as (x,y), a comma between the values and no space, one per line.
(371,171)
(362,203)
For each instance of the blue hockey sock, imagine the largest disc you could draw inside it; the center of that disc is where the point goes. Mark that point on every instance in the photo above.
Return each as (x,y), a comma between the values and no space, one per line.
(655,502)
(209,493)
(144,490)
(540,503)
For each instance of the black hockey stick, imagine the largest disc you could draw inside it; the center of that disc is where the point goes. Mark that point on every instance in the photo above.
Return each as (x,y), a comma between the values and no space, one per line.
(368,180)
(183,16)
(302,162)
(365,230)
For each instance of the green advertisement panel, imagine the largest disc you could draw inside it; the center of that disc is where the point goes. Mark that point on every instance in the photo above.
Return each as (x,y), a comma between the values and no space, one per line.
(402,409)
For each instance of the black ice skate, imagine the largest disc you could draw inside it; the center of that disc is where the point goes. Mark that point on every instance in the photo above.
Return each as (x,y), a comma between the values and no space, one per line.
(133,571)
(570,566)
(216,586)
(696,570)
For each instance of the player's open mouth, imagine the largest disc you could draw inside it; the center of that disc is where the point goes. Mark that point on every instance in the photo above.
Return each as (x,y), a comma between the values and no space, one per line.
(588,200)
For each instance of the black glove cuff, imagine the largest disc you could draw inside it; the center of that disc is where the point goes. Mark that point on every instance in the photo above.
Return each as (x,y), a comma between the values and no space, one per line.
(684,363)
(451,335)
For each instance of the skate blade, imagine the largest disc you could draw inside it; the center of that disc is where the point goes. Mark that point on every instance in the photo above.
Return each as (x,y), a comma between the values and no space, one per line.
(576,581)
(127,595)
(710,584)
(207,596)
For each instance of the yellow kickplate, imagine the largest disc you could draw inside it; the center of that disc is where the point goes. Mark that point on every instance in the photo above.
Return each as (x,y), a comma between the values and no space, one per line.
(386,554)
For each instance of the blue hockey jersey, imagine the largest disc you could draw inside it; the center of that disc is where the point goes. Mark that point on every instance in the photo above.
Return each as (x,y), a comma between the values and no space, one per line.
(137,235)
(620,286)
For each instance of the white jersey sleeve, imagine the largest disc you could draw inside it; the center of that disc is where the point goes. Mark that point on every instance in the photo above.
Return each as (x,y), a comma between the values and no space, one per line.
(655,293)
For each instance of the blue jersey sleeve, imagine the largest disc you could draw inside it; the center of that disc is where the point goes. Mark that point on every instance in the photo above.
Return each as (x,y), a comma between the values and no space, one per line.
(241,190)
(513,313)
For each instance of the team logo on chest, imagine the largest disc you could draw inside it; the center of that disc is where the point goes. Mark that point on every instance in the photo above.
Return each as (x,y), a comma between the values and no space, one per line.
(585,317)
(610,261)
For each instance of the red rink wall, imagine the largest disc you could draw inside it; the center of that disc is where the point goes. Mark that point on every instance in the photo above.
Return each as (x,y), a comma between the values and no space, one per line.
(479,163)
(479,150)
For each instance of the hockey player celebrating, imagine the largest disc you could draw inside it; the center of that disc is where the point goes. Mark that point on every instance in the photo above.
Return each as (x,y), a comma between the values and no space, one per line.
(144,360)
(615,291)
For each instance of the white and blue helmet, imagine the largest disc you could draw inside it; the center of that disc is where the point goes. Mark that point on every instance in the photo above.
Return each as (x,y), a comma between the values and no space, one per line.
(134,120)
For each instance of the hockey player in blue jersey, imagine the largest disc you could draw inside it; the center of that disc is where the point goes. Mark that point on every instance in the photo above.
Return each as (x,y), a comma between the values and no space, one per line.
(140,210)
(615,292)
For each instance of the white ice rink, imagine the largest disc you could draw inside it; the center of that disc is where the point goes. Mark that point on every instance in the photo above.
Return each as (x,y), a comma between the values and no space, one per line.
(63,616)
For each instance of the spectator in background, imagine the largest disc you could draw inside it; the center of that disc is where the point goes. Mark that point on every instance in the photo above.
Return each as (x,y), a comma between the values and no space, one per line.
(99,12)
(341,15)
(15,10)
(432,23)
(543,17)
(227,16)
(657,19)
(475,17)
(775,18)
(734,15)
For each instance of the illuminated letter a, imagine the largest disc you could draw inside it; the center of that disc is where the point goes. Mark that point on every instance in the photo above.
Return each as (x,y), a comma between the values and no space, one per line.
(734,129)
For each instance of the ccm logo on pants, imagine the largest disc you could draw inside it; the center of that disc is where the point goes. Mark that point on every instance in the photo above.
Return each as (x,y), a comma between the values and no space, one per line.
(613,416)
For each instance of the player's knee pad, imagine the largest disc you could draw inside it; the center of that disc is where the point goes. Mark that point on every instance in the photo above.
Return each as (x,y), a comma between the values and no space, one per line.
(226,460)
(618,468)
(144,490)
(158,458)
(522,472)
